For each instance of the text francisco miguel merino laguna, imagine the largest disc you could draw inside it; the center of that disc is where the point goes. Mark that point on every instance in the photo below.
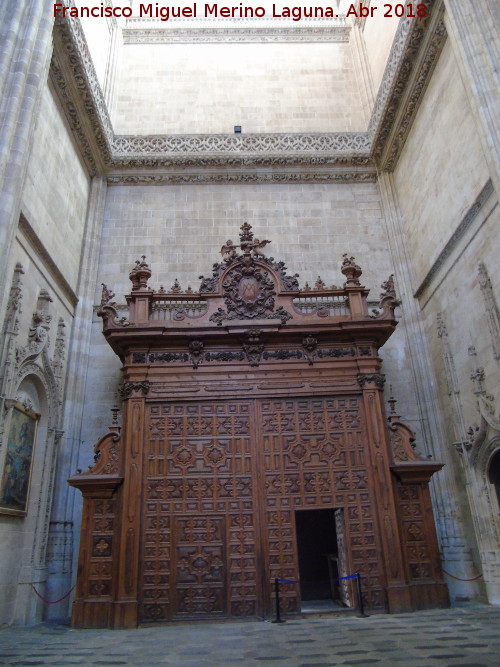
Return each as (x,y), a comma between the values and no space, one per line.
(208,10)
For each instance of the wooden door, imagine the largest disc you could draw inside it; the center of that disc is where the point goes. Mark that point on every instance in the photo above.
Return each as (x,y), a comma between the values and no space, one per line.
(199,546)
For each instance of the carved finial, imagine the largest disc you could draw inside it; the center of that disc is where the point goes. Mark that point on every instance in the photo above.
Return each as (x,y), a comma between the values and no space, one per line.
(350,270)
(392,401)
(43,301)
(140,274)
(107,295)
(161,290)
(246,232)
(477,377)
(319,284)
(441,326)
(189,290)
(389,289)
(388,300)
(176,288)
(306,287)
(114,411)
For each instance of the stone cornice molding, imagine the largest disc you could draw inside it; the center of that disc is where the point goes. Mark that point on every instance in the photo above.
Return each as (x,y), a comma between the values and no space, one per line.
(414,54)
(304,158)
(191,177)
(337,34)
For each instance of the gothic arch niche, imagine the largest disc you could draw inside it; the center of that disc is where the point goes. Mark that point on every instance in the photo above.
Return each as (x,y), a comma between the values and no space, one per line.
(31,378)
(494,474)
(35,391)
(245,403)
(484,500)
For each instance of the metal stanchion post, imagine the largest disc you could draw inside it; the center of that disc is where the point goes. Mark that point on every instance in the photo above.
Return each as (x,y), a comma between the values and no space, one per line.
(277,594)
(360,596)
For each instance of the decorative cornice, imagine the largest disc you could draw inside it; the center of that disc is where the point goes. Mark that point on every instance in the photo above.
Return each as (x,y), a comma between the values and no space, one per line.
(360,21)
(238,144)
(73,74)
(415,51)
(189,177)
(339,33)
(341,156)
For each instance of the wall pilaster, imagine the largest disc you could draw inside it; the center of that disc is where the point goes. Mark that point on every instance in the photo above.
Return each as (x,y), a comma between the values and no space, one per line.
(63,551)
(458,546)
(26,46)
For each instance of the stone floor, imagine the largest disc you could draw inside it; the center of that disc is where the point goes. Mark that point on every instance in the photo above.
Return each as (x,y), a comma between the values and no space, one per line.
(467,636)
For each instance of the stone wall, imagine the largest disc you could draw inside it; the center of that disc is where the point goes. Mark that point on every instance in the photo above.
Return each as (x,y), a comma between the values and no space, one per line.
(378,34)
(449,214)
(48,246)
(442,168)
(56,190)
(210,88)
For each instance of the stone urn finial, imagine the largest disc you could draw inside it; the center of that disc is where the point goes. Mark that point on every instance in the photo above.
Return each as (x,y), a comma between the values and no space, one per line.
(140,275)
(351,271)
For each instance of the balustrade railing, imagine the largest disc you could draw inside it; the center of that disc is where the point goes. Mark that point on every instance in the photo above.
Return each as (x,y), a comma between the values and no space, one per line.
(168,310)
(333,305)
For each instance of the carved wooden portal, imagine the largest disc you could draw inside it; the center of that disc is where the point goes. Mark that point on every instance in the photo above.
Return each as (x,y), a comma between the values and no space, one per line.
(244,403)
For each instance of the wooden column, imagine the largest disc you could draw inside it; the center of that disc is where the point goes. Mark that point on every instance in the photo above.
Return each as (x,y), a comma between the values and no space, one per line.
(398,595)
(126,571)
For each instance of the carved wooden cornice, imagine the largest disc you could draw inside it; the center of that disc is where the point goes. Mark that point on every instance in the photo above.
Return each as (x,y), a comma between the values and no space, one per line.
(267,157)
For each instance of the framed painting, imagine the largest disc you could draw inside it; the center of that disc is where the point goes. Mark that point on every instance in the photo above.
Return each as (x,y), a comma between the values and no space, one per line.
(16,475)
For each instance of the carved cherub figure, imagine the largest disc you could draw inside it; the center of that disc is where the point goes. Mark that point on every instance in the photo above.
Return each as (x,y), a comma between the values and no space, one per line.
(228,251)
(254,246)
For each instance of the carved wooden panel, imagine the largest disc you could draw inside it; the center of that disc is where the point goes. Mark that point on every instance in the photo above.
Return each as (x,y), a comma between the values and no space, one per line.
(414,531)
(199,565)
(314,457)
(198,547)
(100,556)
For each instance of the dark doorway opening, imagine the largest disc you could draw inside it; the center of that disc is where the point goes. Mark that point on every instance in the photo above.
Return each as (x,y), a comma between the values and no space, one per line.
(318,553)
(494,473)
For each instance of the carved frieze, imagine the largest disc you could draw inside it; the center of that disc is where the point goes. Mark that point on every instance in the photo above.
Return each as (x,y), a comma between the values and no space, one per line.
(128,388)
(137,32)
